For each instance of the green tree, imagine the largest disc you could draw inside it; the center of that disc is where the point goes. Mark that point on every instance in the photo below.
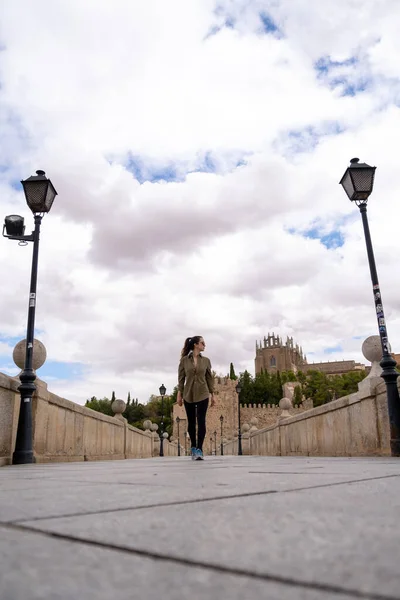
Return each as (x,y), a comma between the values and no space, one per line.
(301,377)
(155,409)
(102,405)
(247,393)
(174,394)
(287,376)
(232,374)
(317,387)
(297,397)
(135,414)
(345,384)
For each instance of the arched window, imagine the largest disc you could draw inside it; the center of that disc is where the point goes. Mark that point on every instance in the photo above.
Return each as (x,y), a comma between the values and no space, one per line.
(272,362)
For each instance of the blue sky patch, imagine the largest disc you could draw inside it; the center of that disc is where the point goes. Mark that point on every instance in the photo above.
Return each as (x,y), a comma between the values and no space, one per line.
(333,239)
(145,169)
(230,23)
(351,89)
(333,349)
(298,141)
(325,64)
(208,165)
(347,76)
(53,369)
(11,341)
(268,24)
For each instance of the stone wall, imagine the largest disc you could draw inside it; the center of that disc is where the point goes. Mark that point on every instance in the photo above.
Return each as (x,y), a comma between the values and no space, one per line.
(356,425)
(64,431)
(9,410)
(267,414)
(226,404)
(339,367)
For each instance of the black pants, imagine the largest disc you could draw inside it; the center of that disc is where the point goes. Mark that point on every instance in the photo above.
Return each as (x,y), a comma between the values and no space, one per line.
(199,408)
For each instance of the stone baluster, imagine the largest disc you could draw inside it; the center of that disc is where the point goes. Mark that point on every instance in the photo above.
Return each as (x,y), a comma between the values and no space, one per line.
(246,438)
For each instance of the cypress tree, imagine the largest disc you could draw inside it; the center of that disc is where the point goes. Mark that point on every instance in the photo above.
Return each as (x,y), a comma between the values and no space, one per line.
(232,374)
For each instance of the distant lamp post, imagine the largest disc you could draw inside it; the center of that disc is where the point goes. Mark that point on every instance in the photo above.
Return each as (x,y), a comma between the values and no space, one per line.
(179,443)
(358,182)
(39,195)
(162,390)
(238,390)
(211,445)
(215,442)
(221,419)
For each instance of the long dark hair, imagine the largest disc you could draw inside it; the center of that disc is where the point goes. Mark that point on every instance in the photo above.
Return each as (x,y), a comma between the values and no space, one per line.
(189,344)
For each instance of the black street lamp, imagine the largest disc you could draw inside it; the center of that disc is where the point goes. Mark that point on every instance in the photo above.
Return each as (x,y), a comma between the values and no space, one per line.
(222,425)
(179,444)
(211,445)
(238,390)
(358,182)
(163,390)
(39,195)
(215,442)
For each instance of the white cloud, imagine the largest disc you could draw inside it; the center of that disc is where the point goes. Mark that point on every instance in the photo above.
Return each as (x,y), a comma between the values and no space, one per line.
(128,270)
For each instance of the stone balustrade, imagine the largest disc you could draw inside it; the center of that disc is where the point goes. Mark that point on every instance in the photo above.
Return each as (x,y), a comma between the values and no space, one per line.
(64,431)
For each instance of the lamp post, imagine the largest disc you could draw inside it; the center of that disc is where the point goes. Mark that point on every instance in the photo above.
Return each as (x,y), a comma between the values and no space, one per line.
(211,445)
(215,442)
(358,182)
(179,444)
(163,389)
(238,390)
(221,419)
(39,195)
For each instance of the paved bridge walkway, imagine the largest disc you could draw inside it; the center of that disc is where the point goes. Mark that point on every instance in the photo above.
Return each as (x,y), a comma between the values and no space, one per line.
(229,527)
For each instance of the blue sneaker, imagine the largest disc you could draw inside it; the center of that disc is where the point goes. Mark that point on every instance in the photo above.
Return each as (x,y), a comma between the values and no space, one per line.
(193,453)
(199,454)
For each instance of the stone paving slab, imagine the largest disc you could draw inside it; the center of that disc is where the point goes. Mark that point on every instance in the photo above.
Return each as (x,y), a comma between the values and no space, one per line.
(37,491)
(226,527)
(322,535)
(62,499)
(37,567)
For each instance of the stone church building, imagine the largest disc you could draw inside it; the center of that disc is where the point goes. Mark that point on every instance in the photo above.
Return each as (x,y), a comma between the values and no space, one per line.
(273,355)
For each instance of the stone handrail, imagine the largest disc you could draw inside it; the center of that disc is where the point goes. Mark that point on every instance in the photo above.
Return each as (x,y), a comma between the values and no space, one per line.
(355,425)
(64,431)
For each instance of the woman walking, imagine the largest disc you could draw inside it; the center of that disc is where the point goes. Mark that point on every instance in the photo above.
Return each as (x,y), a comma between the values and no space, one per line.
(195,390)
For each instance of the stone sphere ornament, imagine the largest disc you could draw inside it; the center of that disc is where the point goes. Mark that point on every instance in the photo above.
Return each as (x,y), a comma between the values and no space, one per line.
(39,354)
(118,407)
(285,404)
(372,348)
(147,424)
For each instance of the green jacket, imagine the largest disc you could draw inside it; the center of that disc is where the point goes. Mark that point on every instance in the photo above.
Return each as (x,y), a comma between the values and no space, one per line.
(195,383)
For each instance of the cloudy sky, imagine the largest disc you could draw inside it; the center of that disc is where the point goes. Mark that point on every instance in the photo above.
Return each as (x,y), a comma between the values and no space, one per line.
(196,147)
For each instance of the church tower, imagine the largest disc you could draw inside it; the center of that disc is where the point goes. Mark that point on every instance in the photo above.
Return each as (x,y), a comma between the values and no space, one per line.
(273,355)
